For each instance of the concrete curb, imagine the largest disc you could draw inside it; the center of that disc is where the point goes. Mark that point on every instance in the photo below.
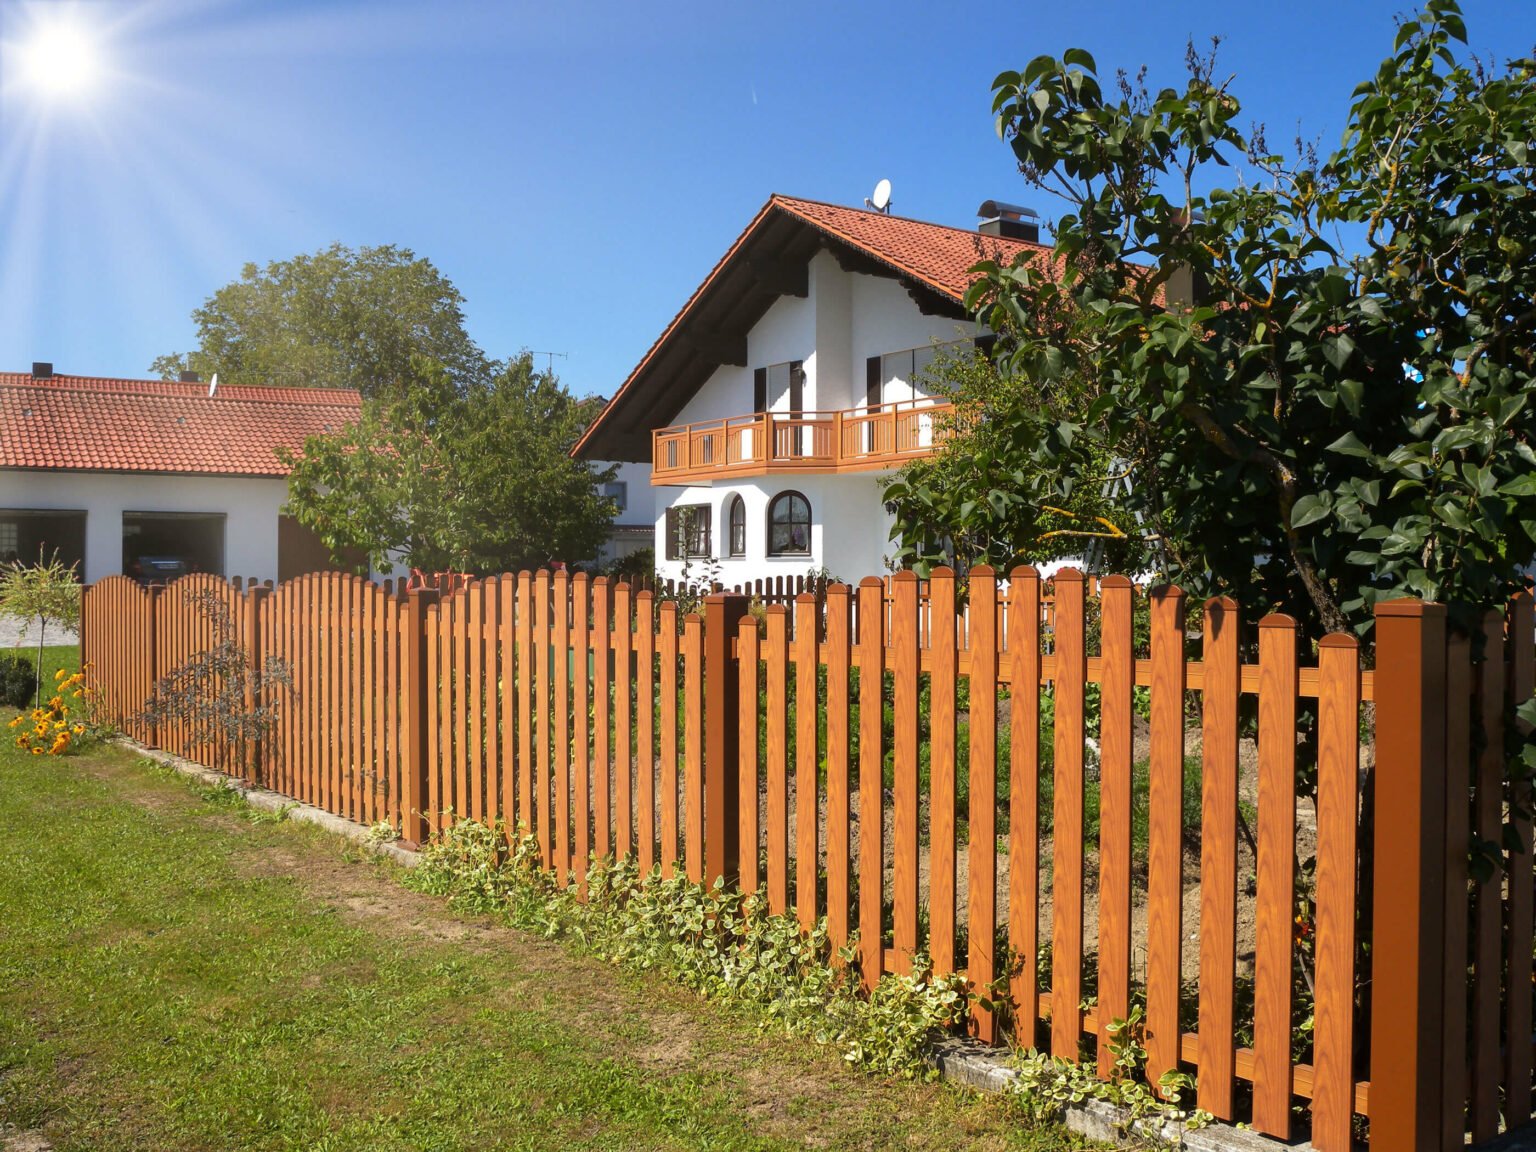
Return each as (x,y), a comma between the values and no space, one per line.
(986,1069)
(980,1067)
(268,801)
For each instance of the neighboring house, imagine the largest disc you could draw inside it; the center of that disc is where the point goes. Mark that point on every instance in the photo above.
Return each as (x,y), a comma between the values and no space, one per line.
(791,383)
(153,478)
(634,524)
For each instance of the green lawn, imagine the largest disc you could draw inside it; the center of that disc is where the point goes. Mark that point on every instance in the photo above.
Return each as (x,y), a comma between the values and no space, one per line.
(177,973)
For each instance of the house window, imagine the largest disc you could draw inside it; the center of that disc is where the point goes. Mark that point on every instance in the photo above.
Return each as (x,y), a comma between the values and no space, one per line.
(779,386)
(738,521)
(789,525)
(618,492)
(688,531)
(908,367)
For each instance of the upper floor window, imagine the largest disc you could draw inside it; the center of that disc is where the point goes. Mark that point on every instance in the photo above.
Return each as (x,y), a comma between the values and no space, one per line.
(905,368)
(688,531)
(738,522)
(618,492)
(779,386)
(789,525)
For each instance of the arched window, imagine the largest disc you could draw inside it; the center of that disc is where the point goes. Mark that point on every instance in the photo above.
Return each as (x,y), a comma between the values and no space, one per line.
(789,525)
(737,517)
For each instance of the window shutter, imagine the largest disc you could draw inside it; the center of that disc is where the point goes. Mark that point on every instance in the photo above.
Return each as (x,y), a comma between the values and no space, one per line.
(672,541)
(760,390)
(872,381)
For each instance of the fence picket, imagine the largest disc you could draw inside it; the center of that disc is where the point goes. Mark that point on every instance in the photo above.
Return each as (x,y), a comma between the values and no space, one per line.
(1522,914)
(1488,923)
(941,804)
(623,722)
(645,727)
(747,752)
(693,746)
(543,705)
(1116,609)
(838,661)
(561,607)
(871,624)
(602,737)
(1024,797)
(1067,834)
(776,660)
(807,664)
(1218,857)
(1276,866)
(581,768)
(667,719)
(981,966)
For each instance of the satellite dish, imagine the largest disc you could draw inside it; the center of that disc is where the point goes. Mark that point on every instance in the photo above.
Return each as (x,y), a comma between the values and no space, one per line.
(213,385)
(881,200)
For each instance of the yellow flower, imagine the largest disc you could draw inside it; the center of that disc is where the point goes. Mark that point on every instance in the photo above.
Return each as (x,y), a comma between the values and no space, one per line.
(60,674)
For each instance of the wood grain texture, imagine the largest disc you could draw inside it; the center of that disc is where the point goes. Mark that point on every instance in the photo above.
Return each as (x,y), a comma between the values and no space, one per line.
(645,729)
(807,763)
(543,705)
(623,721)
(838,659)
(981,963)
(474,682)
(1067,837)
(525,664)
(1116,605)
(1165,830)
(1275,928)
(776,665)
(602,717)
(1458,840)
(581,736)
(943,643)
(693,746)
(1218,856)
(748,644)
(1522,913)
(904,830)
(871,650)
(667,718)
(1024,798)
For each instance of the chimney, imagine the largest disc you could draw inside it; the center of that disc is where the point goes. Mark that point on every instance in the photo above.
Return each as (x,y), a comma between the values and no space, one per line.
(1010,221)
(190,378)
(42,370)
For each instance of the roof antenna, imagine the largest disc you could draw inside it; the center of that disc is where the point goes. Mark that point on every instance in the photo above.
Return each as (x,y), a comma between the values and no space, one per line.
(881,200)
(213,385)
(549,367)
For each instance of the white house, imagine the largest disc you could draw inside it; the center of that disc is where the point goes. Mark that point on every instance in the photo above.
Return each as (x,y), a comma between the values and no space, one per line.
(154,478)
(791,383)
(634,524)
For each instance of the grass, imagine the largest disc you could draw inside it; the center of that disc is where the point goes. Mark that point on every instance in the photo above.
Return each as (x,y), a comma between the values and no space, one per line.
(177,973)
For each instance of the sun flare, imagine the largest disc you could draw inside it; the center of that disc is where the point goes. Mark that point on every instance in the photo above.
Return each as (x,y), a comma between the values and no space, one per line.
(60,59)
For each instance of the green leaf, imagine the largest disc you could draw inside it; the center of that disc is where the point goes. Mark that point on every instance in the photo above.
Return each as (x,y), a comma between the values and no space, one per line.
(1308,510)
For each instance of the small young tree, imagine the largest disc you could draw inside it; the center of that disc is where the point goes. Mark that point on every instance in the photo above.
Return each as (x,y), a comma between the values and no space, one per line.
(48,592)
(216,695)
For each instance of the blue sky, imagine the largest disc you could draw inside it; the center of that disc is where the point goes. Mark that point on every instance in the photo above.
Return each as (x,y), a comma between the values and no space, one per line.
(575,168)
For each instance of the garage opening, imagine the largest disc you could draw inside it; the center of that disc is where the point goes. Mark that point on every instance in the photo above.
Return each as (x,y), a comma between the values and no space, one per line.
(160,546)
(27,533)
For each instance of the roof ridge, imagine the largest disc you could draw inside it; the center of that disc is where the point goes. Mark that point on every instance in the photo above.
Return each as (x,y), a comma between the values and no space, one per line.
(311,395)
(784,199)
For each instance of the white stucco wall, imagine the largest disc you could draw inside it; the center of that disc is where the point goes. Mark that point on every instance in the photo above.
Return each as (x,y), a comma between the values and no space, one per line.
(850,529)
(250,506)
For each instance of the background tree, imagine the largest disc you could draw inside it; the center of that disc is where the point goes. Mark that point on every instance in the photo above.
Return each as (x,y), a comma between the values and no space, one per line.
(477,479)
(340,318)
(1336,408)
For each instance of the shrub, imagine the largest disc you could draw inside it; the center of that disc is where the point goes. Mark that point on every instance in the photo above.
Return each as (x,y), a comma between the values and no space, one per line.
(18,681)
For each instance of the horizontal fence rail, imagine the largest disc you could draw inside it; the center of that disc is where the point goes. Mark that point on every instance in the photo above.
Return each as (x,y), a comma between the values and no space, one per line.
(1082,795)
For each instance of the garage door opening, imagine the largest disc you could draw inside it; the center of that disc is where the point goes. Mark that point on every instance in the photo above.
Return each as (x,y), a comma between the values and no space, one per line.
(27,533)
(160,546)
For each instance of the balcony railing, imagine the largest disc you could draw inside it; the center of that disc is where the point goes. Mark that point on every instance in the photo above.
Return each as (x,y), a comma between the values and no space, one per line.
(842,440)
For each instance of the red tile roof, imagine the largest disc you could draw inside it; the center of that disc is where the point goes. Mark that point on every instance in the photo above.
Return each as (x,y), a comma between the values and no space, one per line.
(934,254)
(93,424)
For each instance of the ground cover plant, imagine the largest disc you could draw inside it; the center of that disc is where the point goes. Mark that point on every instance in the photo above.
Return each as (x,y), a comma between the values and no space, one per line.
(179,972)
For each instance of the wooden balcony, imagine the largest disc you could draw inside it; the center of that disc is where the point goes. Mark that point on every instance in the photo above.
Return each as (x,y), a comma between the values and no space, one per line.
(845,440)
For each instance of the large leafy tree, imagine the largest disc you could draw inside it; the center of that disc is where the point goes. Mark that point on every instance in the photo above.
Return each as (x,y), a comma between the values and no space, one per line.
(1321,376)
(476,479)
(339,318)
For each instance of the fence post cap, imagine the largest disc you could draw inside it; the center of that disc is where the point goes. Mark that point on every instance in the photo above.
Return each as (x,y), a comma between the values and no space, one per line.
(1409,606)
(1070,575)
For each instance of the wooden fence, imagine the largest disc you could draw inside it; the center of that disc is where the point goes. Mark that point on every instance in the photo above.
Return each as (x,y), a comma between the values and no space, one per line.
(1096,804)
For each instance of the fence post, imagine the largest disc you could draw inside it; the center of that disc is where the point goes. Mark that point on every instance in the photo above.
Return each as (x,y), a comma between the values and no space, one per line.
(148,732)
(413,705)
(1408,903)
(251,625)
(722,784)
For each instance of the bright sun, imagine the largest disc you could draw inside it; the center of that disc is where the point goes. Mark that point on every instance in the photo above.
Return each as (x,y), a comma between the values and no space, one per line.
(60,59)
